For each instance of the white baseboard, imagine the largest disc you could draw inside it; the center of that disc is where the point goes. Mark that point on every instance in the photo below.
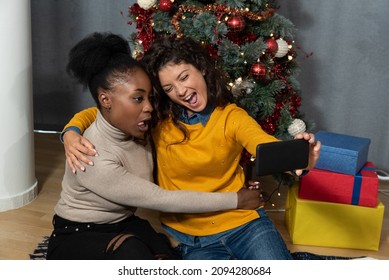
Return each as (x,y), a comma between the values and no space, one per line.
(19,200)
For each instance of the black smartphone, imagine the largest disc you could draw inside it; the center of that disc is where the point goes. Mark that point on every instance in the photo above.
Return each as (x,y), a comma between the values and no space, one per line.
(278,157)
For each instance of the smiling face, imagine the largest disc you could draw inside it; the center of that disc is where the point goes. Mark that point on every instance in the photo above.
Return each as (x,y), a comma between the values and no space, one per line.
(185,85)
(129,103)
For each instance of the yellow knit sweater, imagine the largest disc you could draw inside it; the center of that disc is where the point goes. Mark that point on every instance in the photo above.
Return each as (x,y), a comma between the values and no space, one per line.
(209,162)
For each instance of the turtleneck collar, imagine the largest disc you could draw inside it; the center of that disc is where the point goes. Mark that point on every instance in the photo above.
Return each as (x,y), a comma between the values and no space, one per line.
(109,131)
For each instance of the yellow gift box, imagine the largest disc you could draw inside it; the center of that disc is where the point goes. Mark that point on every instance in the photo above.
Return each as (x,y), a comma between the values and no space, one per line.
(328,224)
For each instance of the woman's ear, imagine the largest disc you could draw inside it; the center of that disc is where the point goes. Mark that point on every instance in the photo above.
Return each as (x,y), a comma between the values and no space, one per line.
(105,100)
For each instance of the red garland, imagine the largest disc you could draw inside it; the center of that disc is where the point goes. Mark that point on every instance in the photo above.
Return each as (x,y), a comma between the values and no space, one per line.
(239,38)
(213,52)
(245,158)
(144,26)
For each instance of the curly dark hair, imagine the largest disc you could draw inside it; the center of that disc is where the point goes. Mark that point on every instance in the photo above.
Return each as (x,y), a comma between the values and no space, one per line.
(183,50)
(100,60)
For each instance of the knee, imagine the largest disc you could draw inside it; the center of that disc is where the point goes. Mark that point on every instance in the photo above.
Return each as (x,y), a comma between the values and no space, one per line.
(128,247)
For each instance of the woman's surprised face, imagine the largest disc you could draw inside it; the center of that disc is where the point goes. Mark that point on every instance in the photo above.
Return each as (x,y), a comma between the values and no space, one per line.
(185,85)
(129,104)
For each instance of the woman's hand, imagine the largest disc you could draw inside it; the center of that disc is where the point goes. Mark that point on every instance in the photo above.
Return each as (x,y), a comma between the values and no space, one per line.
(251,197)
(76,148)
(314,150)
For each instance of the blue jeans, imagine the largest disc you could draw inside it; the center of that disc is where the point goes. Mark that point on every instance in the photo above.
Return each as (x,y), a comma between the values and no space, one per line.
(256,240)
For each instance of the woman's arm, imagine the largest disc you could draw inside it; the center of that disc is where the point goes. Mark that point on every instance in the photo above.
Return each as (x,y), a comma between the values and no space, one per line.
(115,183)
(249,133)
(81,120)
(76,146)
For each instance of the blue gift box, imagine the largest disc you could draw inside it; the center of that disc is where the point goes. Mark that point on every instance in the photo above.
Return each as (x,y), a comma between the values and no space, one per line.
(342,153)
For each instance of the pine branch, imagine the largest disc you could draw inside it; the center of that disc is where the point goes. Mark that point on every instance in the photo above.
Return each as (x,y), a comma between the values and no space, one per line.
(252,51)
(235,4)
(260,103)
(162,23)
(204,24)
(233,62)
(283,123)
(276,24)
(193,3)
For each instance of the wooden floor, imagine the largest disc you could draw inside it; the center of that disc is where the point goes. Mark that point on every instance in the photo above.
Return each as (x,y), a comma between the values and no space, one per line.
(22,229)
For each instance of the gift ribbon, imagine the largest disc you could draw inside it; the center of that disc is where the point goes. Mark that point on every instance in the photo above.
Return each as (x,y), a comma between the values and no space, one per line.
(358,184)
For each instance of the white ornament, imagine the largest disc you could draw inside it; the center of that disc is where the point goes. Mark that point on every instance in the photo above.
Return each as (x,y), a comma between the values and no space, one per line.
(282,48)
(242,87)
(146,4)
(296,127)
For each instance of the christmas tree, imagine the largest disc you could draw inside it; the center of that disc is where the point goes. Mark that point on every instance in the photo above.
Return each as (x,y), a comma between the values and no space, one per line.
(249,41)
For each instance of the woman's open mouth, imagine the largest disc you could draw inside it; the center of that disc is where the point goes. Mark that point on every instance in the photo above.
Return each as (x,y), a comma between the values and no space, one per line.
(143,125)
(192,99)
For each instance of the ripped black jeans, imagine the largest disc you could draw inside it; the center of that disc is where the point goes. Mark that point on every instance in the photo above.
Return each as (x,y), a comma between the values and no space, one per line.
(130,239)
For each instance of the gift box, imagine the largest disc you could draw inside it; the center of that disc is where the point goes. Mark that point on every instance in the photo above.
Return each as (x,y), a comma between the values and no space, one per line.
(342,153)
(329,224)
(323,185)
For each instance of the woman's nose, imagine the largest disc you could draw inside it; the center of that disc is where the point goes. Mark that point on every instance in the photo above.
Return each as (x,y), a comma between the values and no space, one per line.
(180,91)
(148,106)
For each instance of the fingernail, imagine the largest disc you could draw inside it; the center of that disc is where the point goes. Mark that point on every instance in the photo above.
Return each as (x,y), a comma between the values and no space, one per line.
(83,168)
(90,163)
(74,171)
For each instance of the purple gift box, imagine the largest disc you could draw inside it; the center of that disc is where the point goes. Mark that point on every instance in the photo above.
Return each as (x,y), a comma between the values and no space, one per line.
(342,153)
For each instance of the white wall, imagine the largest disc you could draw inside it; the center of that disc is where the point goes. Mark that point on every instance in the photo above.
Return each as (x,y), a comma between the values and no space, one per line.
(18,185)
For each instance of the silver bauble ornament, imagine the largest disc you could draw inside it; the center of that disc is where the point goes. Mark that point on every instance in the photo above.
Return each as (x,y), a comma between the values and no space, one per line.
(282,48)
(296,127)
(146,4)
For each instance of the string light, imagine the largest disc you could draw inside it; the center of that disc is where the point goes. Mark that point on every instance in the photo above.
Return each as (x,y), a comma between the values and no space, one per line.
(277,189)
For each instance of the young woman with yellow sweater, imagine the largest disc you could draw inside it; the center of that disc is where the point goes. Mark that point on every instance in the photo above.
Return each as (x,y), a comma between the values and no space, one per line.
(199,139)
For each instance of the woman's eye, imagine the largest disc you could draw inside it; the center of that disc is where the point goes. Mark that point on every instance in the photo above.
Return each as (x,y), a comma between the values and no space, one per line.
(138,99)
(167,89)
(185,77)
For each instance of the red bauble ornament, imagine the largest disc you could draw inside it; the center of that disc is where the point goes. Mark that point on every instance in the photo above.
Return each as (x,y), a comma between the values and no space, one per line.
(165,5)
(236,24)
(272,45)
(258,70)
